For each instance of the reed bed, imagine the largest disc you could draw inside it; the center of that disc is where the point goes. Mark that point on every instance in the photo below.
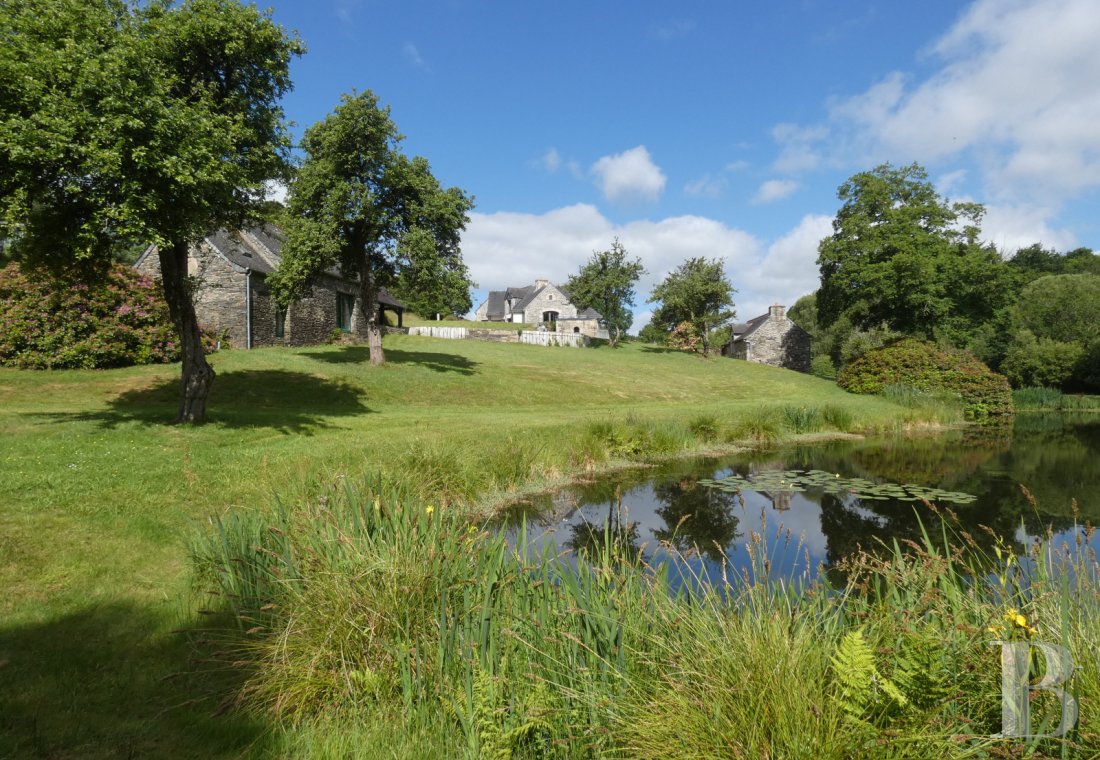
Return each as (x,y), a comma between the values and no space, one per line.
(369,622)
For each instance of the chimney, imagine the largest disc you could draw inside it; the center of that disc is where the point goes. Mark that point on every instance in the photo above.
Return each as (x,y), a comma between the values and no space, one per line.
(777,312)
(541,283)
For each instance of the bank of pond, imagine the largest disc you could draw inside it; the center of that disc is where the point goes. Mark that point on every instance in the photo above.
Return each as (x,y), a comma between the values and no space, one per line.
(842,598)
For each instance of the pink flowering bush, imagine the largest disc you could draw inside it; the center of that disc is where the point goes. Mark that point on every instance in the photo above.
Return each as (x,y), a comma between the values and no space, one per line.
(47,323)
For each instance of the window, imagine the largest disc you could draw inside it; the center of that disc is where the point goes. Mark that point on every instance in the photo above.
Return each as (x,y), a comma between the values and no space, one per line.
(280,322)
(345,306)
(549,316)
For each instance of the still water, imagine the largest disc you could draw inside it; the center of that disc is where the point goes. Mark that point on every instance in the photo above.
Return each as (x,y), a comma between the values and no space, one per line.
(1038,472)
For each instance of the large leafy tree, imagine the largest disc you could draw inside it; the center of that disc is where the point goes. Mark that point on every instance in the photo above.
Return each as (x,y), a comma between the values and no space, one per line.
(902,257)
(606,284)
(357,202)
(150,123)
(697,295)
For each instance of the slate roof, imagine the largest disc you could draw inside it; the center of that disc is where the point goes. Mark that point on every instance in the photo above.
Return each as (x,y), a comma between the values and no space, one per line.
(258,249)
(747,328)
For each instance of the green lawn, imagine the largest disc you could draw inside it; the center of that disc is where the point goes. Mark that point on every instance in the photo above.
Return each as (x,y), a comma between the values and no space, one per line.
(98,496)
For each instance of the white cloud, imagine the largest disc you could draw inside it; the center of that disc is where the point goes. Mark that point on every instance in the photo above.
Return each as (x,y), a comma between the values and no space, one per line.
(506,249)
(412,55)
(673,29)
(739,165)
(787,270)
(275,190)
(551,160)
(629,176)
(1011,228)
(707,186)
(775,190)
(1014,91)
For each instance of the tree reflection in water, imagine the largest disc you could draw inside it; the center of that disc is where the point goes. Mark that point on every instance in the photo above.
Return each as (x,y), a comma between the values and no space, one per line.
(1056,457)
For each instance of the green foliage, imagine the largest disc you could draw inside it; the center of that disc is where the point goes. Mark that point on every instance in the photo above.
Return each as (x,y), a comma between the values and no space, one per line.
(822,366)
(428,283)
(1063,308)
(926,367)
(46,323)
(861,691)
(139,123)
(1051,399)
(903,257)
(606,284)
(358,203)
(704,427)
(1034,361)
(697,293)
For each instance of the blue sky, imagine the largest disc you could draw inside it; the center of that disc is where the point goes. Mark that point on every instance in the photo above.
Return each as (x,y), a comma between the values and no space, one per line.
(720,129)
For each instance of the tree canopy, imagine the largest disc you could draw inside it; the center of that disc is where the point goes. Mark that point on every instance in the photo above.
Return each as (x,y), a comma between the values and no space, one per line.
(358,203)
(153,123)
(903,257)
(606,283)
(698,296)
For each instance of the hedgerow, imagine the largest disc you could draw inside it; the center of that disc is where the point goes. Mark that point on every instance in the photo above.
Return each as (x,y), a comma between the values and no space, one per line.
(927,367)
(50,323)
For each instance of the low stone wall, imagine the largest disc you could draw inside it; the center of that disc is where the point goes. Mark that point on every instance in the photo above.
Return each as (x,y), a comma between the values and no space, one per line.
(496,336)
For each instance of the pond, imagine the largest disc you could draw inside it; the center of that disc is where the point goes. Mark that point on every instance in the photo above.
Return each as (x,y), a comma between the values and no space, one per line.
(1037,473)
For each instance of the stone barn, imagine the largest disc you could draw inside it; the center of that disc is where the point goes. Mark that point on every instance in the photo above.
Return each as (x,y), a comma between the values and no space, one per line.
(234,303)
(773,339)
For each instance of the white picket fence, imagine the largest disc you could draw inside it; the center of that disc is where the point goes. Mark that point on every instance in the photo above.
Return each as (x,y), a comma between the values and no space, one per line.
(552,339)
(532,337)
(451,333)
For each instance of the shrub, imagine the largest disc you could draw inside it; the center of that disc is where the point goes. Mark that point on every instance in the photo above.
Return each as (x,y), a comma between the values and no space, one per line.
(704,427)
(929,368)
(48,323)
(822,366)
(1032,361)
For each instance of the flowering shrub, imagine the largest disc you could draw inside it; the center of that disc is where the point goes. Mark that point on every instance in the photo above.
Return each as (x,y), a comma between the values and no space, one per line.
(47,323)
(926,367)
(685,337)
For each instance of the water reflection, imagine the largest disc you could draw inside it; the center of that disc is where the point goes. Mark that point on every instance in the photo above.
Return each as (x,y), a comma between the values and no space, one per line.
(1053,457)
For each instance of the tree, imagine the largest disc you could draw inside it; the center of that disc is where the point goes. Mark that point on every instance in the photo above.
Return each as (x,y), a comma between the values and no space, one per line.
(431,284)
(360,204)
(147,123)
(606,284)
(1054,332)
(698,293)
(902,257)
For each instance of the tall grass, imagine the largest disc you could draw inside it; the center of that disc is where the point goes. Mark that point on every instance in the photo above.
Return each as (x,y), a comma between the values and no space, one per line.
(1052,399)
(372,610)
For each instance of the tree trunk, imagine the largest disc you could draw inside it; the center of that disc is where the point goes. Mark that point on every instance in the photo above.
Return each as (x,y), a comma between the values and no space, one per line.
(615,336)
(198,375)
(368,307)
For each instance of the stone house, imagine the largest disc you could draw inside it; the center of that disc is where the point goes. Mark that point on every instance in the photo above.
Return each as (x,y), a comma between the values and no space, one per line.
(773,339)
(542,304)
(233,300)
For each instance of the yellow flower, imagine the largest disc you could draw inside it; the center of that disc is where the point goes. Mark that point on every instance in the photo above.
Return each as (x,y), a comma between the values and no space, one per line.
(429,510)
(1011,614)
(1021,621)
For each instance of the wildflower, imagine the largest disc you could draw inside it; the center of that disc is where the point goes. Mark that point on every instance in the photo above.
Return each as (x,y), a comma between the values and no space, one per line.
(429,510)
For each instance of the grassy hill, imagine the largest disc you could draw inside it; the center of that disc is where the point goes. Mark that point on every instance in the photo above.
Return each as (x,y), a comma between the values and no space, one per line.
(98,496)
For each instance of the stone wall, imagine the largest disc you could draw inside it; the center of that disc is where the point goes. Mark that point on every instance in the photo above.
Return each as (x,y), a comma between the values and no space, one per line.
(548,299)
(311,320)
(220,304)
(777,341)
(587,327)
(219,293)
(497,336)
